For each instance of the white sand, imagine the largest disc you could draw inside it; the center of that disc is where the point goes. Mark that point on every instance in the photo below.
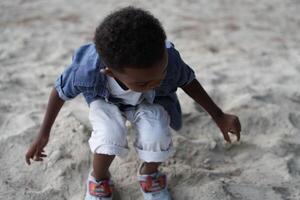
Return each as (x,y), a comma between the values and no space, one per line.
(246,54)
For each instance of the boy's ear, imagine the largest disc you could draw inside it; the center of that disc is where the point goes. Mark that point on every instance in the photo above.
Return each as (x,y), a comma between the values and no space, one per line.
(107,72)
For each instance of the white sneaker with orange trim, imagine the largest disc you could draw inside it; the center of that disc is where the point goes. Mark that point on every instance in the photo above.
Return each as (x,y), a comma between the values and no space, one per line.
(99,190)
(154,186)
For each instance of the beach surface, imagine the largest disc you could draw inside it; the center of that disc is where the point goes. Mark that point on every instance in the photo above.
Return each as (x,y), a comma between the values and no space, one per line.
(246,54)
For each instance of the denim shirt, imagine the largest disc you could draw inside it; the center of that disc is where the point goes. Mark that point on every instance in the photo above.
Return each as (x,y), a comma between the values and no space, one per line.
(83,76)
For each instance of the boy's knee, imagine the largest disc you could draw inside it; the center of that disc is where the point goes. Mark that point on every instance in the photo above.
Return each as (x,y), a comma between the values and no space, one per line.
(154,111)
(157,134)
(154,144)
(109,141)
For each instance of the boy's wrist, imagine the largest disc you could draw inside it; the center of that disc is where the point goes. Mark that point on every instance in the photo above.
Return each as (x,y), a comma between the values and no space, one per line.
(44,131)
(217,114)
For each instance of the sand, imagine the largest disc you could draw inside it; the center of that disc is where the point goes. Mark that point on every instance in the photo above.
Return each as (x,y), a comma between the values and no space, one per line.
(245,53)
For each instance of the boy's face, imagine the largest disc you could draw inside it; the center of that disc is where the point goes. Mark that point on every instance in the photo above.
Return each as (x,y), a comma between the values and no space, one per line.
(141,79)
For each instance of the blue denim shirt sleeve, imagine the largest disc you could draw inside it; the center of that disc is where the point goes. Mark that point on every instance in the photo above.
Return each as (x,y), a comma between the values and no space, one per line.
(179,73)
(185,74)
(65,84)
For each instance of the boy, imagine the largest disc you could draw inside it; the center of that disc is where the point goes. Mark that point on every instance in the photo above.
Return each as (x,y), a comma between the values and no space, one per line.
(130,73)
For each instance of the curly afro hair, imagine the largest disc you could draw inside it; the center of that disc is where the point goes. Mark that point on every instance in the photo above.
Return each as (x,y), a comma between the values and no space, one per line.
(130,37)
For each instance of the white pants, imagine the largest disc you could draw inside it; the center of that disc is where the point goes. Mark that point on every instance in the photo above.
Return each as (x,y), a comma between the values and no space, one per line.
(153,141)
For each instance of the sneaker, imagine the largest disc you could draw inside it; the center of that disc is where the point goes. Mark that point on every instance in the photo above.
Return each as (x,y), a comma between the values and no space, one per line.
(154,186)
(98,190)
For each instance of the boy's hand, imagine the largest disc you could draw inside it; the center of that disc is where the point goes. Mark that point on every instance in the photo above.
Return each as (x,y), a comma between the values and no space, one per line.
(229,123)
(36,150)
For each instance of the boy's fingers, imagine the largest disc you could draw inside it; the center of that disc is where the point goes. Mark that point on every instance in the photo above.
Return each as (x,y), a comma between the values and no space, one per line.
(238,135)
(236,131)
(39,151)
(35,153)
(38,159)
(27,158)
(29,155)
(226,137)
(238,125)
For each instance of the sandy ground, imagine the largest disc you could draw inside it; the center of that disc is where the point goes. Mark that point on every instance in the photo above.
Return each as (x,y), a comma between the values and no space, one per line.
(245,53)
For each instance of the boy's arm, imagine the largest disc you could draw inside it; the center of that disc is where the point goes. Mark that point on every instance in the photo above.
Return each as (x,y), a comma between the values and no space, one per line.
(226,122)
(37,147)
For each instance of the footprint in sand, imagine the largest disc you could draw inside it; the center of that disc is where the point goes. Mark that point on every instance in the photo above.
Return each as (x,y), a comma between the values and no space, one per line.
(295,97)
(294,166)
(295,120)
(250,192)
